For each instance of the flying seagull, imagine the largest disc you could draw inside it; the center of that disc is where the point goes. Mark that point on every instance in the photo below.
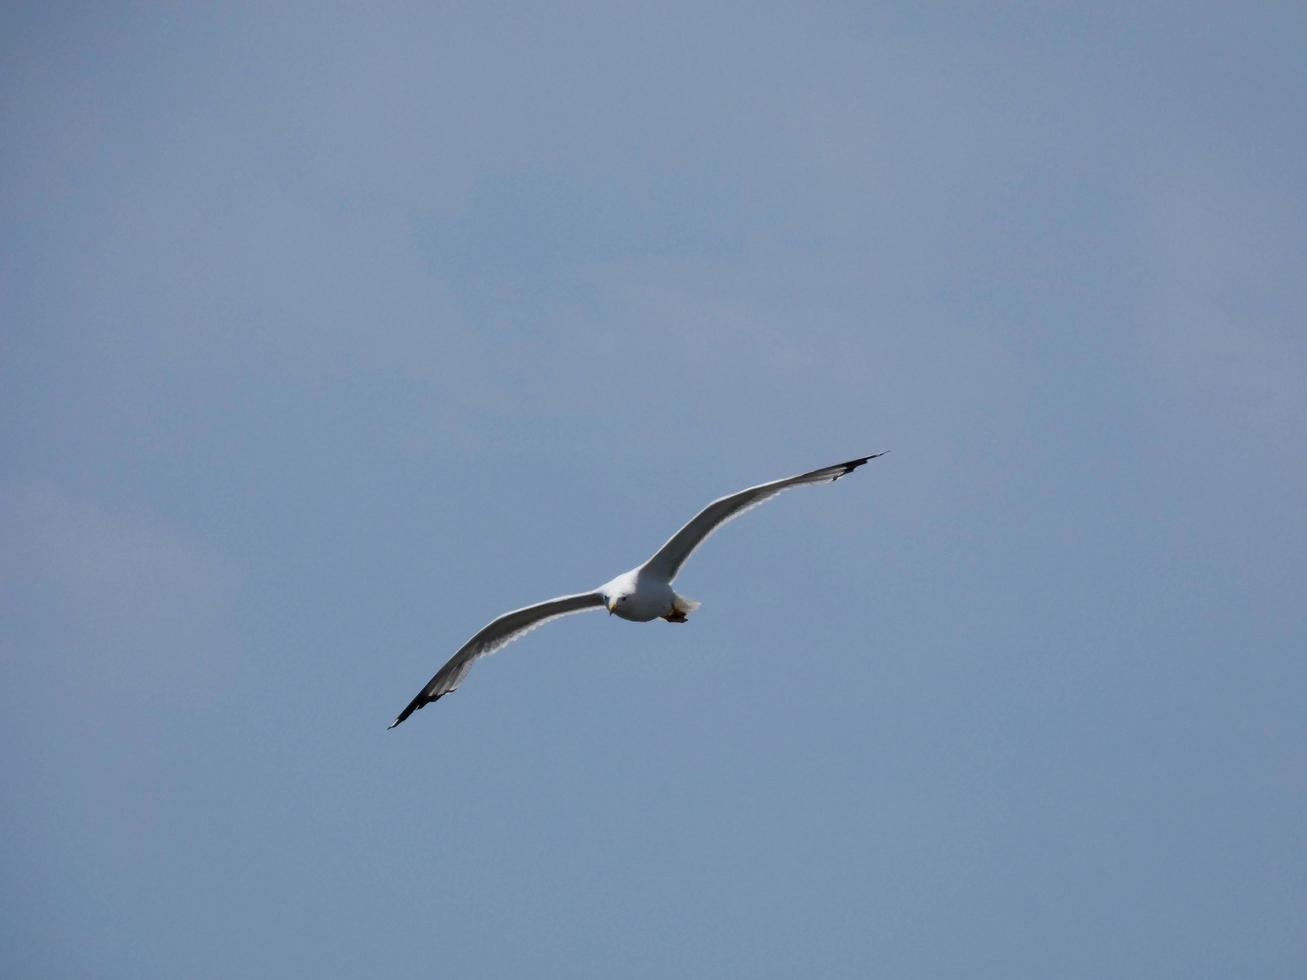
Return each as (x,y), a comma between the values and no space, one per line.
(640,595)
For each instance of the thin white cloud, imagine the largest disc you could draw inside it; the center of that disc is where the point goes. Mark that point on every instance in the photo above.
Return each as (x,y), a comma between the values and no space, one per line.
(142,602)
(1223,302)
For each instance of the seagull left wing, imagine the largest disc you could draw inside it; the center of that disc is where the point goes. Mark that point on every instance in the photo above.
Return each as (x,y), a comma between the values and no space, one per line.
(499,633)
(671,556)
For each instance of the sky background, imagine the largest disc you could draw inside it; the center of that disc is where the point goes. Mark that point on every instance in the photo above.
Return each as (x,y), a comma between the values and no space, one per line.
(329,332)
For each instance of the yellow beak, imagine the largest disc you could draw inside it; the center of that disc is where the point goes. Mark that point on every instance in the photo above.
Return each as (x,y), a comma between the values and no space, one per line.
(611,604)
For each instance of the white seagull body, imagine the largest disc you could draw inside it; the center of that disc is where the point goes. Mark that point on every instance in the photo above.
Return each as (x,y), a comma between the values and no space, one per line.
(642,594)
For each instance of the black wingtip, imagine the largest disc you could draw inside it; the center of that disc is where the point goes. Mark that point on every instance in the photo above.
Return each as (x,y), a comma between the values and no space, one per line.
(417,704)
(413,706)
(853,464)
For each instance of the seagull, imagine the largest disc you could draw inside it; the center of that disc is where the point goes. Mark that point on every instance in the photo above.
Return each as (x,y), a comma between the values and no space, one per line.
(643,594)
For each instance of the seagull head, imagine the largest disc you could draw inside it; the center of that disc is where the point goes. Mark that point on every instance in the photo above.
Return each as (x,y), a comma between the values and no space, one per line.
(619,592)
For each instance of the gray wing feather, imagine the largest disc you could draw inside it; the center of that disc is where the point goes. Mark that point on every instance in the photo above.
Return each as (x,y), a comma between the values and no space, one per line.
(671,556)
(499,633)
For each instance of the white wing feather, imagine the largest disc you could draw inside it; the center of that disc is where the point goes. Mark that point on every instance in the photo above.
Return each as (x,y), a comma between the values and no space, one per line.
(667,562)
(500,632)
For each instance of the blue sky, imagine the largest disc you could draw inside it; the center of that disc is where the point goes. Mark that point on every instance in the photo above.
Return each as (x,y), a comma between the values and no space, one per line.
(329,333)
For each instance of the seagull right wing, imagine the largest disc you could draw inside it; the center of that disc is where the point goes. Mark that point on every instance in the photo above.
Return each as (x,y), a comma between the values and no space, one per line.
(499,633)
(671,556)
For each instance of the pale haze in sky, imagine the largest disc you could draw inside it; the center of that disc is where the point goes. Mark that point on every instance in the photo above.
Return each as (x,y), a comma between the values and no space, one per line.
(329,332)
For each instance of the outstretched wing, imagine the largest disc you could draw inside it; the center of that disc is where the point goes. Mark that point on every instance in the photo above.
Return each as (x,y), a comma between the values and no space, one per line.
(671,556)
(499,633)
